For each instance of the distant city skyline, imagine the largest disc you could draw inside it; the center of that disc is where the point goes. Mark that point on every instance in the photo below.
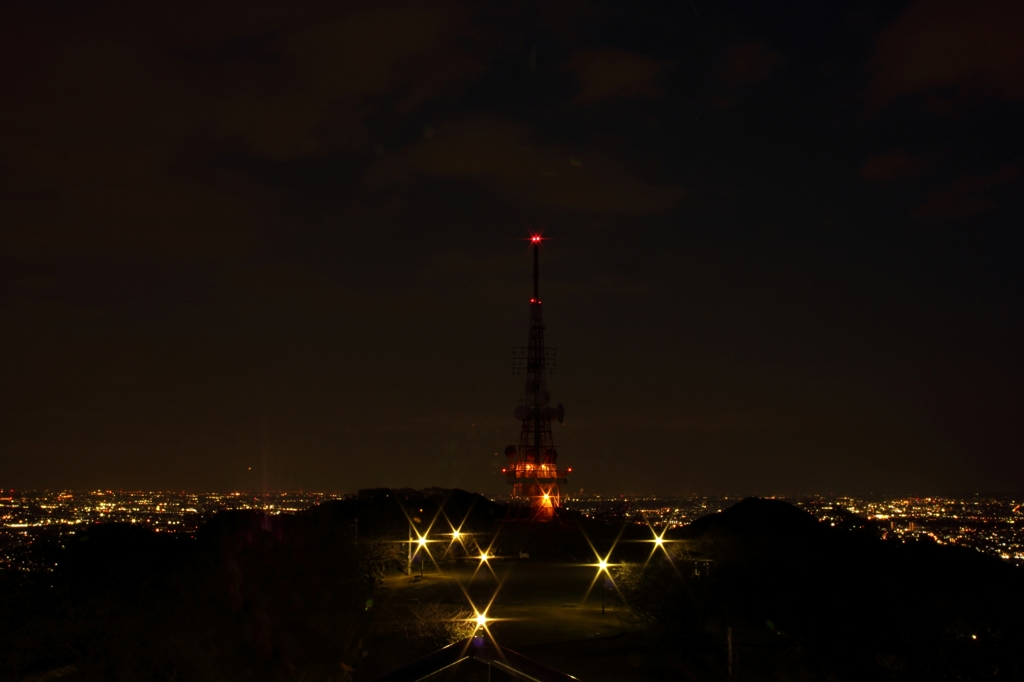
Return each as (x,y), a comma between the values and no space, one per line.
(993,525)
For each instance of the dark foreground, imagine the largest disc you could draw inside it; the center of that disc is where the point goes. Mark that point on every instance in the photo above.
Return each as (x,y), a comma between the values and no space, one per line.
(320,595)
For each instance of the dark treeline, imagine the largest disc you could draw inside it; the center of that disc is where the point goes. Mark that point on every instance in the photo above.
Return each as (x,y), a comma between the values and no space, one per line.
(804,600)
(255,596)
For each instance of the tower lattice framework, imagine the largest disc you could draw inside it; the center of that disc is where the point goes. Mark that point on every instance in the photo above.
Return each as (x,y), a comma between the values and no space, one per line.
(532,467)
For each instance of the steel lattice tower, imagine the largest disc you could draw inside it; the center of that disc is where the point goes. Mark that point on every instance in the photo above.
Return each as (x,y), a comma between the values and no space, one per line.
(532,465)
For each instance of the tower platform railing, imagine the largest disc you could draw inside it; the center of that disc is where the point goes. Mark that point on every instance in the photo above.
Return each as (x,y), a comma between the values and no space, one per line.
(535,473)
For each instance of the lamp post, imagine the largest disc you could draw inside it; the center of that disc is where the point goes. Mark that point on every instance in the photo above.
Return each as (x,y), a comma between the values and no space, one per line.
(603,566)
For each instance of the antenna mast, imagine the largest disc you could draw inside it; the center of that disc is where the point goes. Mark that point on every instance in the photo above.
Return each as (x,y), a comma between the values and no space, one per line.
(532,465)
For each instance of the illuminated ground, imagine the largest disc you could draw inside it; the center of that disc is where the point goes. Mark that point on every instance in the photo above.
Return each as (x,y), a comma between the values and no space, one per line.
(540,611)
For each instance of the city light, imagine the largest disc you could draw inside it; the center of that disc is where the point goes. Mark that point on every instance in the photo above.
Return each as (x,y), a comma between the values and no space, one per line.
(993,525)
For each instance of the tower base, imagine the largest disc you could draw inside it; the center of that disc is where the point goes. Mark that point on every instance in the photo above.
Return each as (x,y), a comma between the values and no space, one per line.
(538,501)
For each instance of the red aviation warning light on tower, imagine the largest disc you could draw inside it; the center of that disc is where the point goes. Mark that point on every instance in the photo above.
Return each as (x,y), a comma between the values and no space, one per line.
(532,468)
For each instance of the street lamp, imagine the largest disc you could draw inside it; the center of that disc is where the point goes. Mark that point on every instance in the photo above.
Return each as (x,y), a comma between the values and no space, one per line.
(422,541)
(602,566)
(658,541)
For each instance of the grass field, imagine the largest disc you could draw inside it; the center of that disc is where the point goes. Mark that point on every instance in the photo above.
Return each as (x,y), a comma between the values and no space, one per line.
(543,610)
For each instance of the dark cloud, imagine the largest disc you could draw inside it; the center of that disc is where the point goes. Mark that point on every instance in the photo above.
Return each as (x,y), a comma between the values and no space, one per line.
(896,165)
(940,45)
(408,55)
(968,195)
(614,73)
(747,62)
(505,156)
(120,116)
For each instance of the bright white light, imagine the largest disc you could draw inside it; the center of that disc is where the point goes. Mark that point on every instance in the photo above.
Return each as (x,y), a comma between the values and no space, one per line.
(481,620)
(484,557)
(658,541)
(602,564)
(455,535)
(422,541)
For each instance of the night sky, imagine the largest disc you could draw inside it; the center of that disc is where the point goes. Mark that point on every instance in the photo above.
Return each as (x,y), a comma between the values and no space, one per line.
(254,245)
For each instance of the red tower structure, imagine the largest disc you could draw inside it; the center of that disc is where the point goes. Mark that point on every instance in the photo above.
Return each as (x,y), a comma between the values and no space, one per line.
(532,468)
